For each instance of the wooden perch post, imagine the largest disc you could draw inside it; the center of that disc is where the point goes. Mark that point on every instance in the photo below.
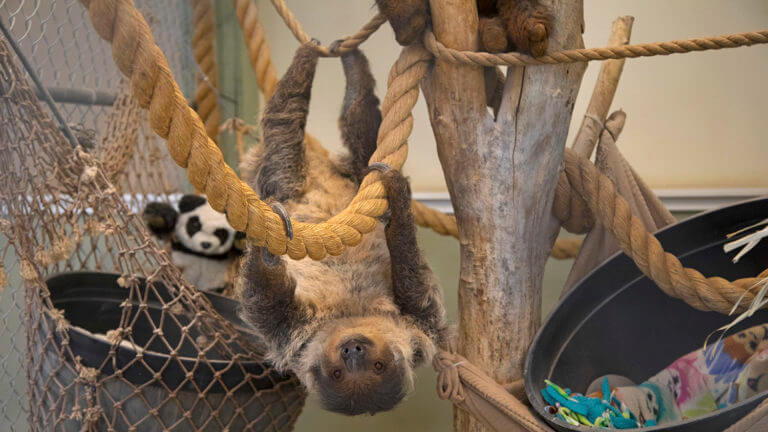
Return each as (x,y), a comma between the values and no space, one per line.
(501,174)
(605,89)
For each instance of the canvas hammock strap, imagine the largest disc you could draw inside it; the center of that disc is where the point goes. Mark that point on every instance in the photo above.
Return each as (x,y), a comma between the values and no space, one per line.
(470,388)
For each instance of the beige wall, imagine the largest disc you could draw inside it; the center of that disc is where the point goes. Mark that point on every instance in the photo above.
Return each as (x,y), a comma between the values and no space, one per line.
(694,120)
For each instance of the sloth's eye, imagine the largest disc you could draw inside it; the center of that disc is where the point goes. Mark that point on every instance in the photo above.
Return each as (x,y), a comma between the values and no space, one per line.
(378,366)
(418,354)
(337,373)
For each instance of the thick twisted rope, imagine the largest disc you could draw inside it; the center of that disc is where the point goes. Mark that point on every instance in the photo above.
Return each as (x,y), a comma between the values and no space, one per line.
(341,47)
(203,39)
(138,57)
(613,211)
(256,44)
(442,52)
(261,62)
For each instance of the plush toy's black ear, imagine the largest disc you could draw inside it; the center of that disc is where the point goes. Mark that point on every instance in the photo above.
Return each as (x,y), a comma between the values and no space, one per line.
(240,243)
(190,202)
(160,218)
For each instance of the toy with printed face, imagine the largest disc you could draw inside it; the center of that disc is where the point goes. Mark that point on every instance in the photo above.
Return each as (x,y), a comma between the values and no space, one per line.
(203,245)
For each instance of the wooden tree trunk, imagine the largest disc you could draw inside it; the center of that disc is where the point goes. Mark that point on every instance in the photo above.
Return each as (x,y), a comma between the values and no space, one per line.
(501,175)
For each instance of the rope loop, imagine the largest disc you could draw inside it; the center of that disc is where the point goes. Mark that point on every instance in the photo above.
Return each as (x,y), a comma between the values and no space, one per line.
(449,386)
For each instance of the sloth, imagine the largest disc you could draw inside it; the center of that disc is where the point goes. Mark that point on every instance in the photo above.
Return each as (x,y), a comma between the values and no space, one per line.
(522,24)
(352,327)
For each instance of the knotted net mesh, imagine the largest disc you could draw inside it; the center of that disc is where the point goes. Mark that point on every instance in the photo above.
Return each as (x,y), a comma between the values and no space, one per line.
(98,329)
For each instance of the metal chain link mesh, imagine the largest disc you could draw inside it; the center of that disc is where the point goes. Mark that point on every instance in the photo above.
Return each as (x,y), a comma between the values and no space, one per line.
(162,358)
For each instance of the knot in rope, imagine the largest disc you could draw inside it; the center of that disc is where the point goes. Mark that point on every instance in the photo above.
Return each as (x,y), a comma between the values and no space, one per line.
(449,386)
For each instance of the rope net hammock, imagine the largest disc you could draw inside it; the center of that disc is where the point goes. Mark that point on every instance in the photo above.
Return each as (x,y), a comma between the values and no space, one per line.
(68,209)
(144,350)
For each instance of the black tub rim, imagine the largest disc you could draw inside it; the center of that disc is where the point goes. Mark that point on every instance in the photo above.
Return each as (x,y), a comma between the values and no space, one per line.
(532,389)
(124,356)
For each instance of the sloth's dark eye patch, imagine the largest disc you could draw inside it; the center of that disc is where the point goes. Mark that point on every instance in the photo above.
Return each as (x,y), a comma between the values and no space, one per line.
(222,234)
(193,226)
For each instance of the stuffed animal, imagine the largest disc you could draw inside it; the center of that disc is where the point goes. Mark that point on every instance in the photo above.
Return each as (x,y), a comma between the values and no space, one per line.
(202,243)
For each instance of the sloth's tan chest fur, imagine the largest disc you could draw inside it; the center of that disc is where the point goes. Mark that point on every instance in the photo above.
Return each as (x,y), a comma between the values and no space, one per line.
(357,282)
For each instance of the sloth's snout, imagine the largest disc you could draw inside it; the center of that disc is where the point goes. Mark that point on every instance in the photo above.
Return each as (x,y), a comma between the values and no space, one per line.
(353,353)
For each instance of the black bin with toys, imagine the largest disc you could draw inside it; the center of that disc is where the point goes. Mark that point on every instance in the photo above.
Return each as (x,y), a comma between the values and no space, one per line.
(617,321)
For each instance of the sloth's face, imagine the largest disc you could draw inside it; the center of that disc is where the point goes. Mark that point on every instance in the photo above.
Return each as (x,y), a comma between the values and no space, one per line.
(360,371)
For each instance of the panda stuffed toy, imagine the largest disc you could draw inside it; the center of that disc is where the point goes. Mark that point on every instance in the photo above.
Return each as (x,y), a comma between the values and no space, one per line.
(202,243)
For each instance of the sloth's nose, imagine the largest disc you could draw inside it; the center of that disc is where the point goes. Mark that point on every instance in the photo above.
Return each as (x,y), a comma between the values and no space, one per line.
(353,353)
(352,349)
(205,245)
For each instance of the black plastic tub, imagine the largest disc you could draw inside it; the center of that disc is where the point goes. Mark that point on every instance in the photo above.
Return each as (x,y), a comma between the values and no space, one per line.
(617,321)
(155,387)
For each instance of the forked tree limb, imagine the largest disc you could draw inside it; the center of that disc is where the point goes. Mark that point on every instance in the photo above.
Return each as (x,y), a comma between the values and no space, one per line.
(501,175)
(581,220)
(605,89)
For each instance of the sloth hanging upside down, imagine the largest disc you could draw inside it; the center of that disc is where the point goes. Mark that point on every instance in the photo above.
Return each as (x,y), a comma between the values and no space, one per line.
(352,327)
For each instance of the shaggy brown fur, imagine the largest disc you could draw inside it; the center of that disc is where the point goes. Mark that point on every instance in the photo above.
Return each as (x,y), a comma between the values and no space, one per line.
(408,18)
(528,24)
(362,104)
(493,34)
(282,171)
(525,24)
(352,327)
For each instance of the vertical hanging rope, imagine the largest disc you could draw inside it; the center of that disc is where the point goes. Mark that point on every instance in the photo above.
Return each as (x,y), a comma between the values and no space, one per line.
(256,44)
(203,45)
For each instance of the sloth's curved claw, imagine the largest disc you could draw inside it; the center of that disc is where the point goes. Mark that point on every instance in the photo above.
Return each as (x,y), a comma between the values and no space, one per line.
(283,213)
(381,167)
(334,46)
(269,259)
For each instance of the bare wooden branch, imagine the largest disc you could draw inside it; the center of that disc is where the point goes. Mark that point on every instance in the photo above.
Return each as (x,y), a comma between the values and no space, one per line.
(501,176)
(605,89)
